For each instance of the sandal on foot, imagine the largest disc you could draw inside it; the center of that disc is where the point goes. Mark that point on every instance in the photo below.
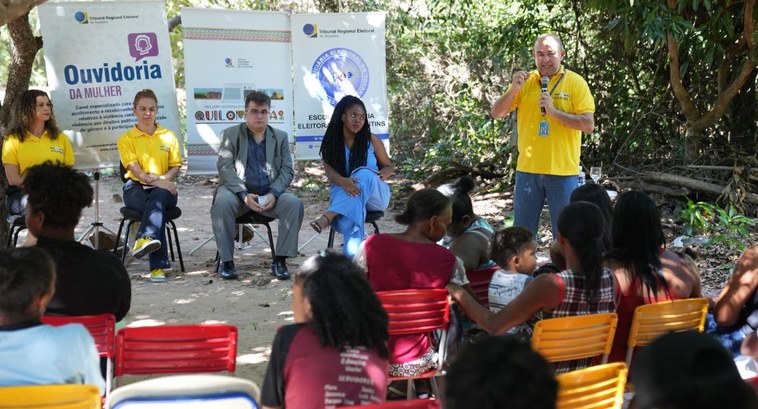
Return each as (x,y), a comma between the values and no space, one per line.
(315,225)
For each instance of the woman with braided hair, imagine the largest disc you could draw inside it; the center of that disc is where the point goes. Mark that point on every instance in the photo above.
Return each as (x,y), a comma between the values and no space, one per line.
(357,166)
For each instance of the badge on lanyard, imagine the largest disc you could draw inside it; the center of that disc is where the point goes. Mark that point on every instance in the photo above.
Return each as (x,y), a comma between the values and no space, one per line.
(544,128)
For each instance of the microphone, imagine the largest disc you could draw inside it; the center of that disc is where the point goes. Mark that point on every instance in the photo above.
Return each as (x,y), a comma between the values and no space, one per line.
(543,85)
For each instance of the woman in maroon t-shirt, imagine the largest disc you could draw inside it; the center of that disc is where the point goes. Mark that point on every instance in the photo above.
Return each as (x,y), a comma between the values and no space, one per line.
(336,352)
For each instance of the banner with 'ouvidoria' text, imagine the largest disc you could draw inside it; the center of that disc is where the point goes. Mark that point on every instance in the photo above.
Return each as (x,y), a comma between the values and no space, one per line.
(98,55)
(336,55)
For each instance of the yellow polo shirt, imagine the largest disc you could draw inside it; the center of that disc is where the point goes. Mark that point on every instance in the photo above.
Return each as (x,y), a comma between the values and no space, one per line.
(35,150)
(558,152)
(154,153)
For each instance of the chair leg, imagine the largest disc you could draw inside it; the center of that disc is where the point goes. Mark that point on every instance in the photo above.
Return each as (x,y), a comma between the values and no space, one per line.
(271,241)
(178,247)
(15,236)
(376,227)
(332,233)
(108,376)
(118,235)
(170,244)
(10,237)
(126,241)
(217,261)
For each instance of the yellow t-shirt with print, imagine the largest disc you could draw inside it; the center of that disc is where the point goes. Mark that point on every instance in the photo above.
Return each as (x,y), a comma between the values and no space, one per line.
(35,150)
(558,152)
(154,153)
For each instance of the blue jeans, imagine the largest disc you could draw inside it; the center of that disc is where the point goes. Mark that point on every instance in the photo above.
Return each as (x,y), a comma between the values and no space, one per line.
(530,193)
(152,203)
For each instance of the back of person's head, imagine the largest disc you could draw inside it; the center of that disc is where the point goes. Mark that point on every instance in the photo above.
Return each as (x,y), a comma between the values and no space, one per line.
(581,224)
(638,237)
(58,192)
(500,372)
(423,205)
(595,193)
(509,242)
(26,274)
(345,309)
(688,370)
(459,192)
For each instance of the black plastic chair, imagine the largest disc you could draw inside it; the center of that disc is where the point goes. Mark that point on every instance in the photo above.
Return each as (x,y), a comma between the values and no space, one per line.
(16,223)
(253,218)
(131,216)
(371,218)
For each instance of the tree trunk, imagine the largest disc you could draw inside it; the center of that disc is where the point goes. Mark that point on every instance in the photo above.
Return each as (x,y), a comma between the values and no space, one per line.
(691,144)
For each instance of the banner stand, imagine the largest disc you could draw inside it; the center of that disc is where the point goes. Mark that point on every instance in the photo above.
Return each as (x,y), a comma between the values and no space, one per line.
(94,227)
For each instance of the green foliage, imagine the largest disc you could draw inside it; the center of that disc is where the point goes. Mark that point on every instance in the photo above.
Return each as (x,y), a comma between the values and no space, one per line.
(723,225)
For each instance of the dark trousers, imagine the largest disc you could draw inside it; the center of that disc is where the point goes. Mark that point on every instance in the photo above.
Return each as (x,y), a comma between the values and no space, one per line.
(153,203)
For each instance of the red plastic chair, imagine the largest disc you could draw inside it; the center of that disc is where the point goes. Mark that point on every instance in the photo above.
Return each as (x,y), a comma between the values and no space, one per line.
(176,349)
(102,327)
(413,312)
(480,283)
(403,404)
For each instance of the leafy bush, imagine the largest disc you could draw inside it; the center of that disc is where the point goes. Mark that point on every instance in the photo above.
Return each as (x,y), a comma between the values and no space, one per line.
(723,225)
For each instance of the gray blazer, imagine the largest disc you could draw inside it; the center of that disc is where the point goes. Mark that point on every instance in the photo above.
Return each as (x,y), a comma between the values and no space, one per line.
(232,157)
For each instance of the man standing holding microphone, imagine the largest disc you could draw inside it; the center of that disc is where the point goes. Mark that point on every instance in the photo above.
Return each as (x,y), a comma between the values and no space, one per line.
(555,107)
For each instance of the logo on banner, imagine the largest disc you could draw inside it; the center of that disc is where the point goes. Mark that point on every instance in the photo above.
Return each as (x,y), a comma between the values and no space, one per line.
(228,62)
(341,72)
(142,45)
(310,30)
(82,17)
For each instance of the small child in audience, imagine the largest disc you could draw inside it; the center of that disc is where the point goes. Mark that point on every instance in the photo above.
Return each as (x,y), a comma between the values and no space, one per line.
(32,353)
(514,250)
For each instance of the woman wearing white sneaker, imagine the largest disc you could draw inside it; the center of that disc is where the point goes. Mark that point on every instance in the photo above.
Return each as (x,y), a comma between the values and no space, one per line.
(150,155)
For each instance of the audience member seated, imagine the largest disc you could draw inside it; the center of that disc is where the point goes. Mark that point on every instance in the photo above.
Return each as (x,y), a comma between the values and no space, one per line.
(735,314)
(32,353)
(88,281)
(513,248)
(500,372)
(336,352)
(150,154)
(688,370)
(468,236)
(589,192)
(33,137)
(413,260)
(357,166)
(645,272)
(255,170)
(585,287)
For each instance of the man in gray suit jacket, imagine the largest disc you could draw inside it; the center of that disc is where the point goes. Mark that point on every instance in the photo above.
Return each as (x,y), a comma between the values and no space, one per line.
(255,167)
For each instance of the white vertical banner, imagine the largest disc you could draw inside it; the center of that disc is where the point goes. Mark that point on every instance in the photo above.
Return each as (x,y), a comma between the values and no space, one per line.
(228,53)
(98,55)
(336,55)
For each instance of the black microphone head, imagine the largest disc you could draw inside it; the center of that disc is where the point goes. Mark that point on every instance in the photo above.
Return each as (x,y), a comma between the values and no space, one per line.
(543,82)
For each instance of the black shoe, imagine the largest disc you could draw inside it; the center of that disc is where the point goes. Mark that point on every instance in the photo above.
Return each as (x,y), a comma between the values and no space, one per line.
(279,270)
(228,272)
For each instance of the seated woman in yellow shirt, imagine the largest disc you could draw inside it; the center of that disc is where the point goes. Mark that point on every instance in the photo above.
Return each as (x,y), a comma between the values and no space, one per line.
(150,154)
(33,138)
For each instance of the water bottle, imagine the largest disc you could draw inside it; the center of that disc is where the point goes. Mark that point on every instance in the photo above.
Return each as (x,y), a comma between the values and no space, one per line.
(580,177)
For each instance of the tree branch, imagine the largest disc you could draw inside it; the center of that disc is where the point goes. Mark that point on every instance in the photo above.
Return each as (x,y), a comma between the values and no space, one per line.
(675,76)
(13,9)
(174,22)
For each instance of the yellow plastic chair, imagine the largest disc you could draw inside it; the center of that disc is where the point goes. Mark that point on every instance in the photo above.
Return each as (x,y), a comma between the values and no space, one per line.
(596,387)
(653,320)
(577,337)
(50,397)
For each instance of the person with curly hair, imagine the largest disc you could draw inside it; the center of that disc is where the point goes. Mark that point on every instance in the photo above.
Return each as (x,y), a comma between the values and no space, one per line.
(357,166)
(33,137)
(150,154)
(336,352)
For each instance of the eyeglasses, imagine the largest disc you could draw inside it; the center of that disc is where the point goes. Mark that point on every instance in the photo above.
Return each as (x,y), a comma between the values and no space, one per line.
(255,112)
(358,117)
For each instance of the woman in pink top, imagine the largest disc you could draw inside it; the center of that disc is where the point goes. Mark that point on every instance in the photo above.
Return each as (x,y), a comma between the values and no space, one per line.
(645,272)
(413,260)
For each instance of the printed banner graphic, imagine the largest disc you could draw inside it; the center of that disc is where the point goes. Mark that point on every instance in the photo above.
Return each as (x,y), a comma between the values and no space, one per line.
(336,55)
(98,55)
(226,55)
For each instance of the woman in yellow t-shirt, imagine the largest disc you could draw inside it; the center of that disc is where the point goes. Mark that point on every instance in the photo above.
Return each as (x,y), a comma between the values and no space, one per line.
(33,138)
(150,155)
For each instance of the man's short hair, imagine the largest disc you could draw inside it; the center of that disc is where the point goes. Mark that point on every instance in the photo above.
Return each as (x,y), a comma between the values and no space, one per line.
(259,97)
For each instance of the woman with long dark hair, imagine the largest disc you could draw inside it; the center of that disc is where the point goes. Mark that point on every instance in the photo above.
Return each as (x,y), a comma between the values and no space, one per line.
(645,271)
(357,165)
(33,138)
(336,352)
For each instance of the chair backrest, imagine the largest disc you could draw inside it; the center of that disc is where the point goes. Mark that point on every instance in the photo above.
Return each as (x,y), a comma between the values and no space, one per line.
(577,337)
(183,391)
(596,387)
(404,404)
(50,397)
(480,283)
(176,349)
(653,320)
(102,327)
(416,311)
